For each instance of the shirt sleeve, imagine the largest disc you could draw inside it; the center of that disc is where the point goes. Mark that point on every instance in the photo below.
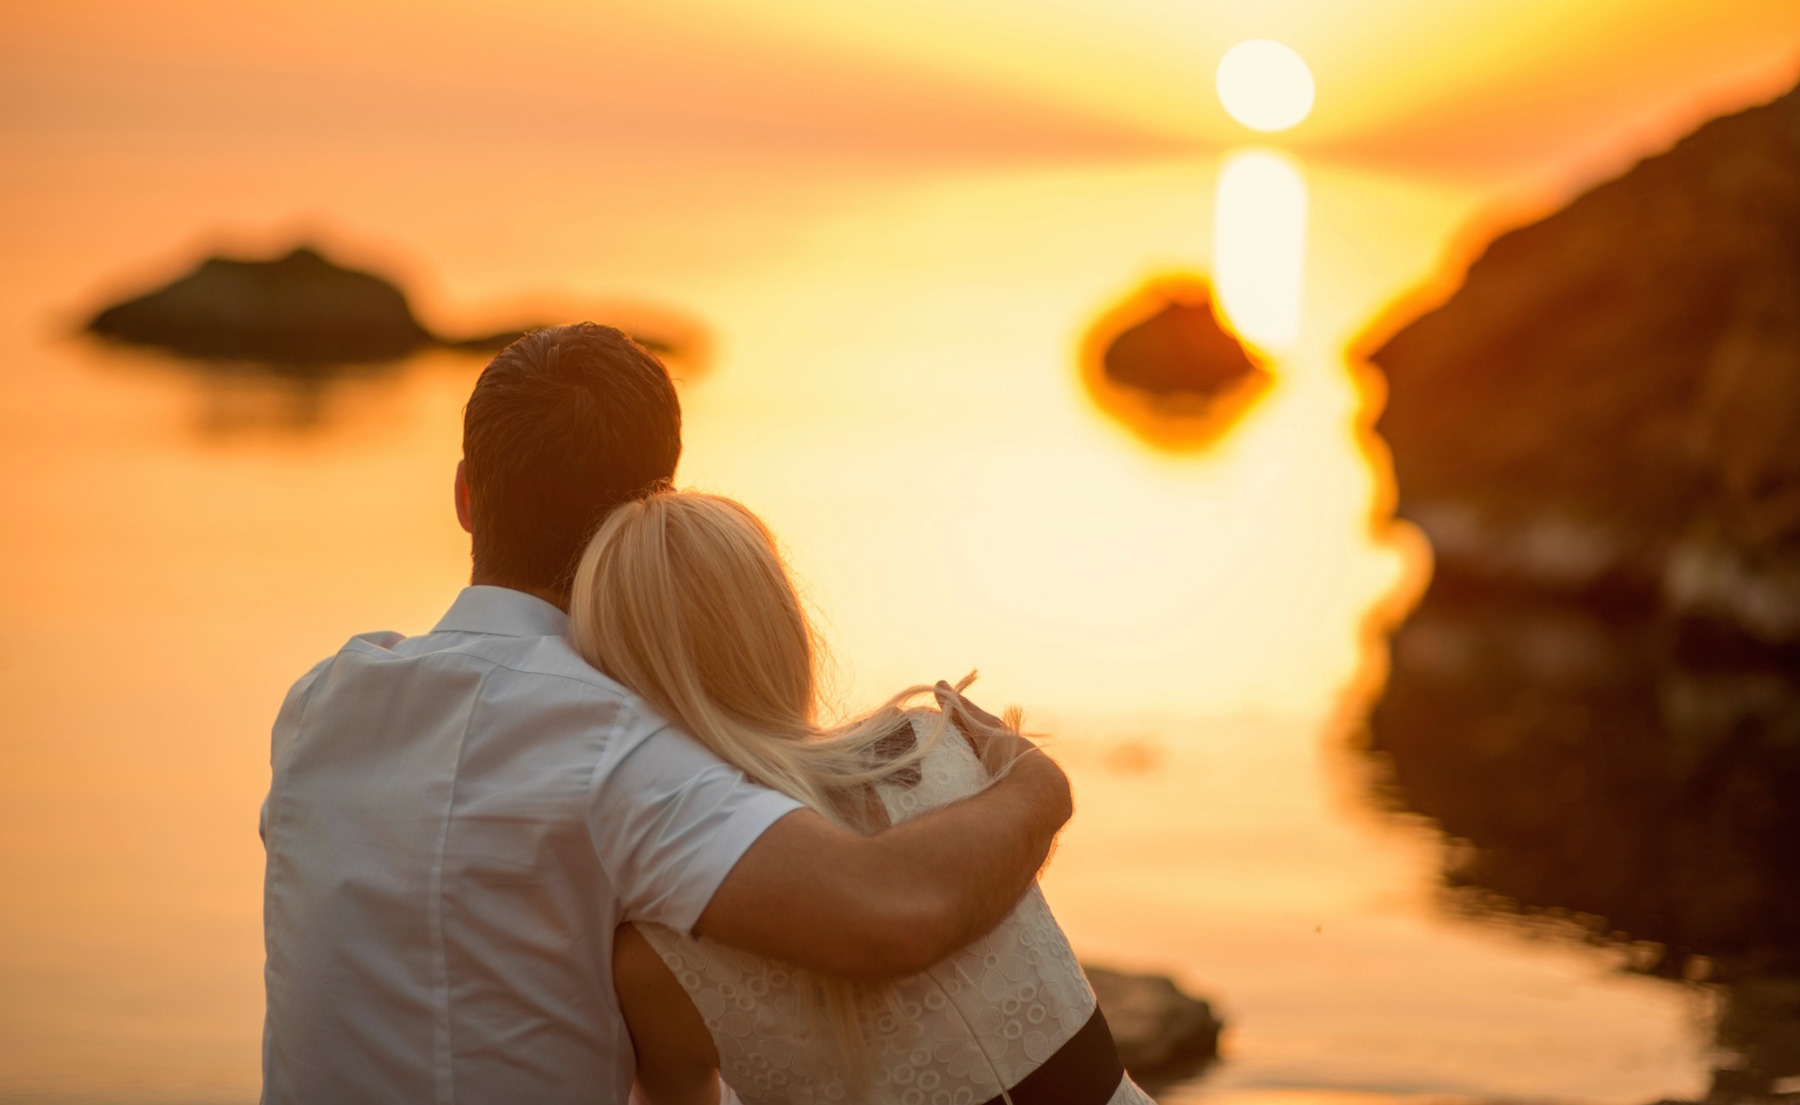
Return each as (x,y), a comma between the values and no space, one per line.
(287,722)
(670,821)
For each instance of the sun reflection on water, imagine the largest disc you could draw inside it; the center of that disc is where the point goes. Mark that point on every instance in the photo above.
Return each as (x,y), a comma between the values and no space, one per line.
(1259,245)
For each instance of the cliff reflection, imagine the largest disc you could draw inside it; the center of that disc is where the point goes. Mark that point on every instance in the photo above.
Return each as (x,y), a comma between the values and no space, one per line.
(1610,774)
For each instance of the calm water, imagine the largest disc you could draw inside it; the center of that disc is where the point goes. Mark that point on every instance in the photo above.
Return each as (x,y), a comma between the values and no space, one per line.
(893,381)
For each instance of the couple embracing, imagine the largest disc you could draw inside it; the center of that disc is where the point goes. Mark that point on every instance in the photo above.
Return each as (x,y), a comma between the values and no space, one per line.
(586,839)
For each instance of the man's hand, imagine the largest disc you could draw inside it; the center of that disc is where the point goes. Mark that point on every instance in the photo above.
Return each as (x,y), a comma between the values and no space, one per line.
(890,905)
(997,741)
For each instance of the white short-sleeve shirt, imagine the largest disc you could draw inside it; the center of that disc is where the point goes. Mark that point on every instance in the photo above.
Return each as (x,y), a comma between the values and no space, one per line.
(455,825)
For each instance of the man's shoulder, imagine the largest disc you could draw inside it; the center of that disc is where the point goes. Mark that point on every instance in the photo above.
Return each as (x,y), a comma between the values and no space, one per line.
(511,679)
(534,669)
(549,659)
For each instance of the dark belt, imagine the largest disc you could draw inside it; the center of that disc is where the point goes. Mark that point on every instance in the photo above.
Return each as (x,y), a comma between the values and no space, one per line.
(1084,1071)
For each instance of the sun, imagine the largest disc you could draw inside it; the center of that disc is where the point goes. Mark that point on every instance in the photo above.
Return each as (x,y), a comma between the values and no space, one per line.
(1265,85)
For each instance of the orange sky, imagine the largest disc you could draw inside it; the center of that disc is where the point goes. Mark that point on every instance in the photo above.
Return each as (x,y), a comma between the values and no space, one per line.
(1483,86)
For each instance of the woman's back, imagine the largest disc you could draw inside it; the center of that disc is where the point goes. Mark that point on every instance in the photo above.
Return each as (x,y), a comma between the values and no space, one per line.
(973,1028)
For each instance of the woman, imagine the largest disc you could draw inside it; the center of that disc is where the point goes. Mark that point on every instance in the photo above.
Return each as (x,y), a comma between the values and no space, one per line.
(685,599)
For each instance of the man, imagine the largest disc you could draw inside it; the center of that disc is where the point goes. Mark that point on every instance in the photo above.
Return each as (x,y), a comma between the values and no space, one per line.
(457,822)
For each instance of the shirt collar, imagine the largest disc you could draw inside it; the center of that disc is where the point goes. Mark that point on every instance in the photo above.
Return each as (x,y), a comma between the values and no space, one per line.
(502,612)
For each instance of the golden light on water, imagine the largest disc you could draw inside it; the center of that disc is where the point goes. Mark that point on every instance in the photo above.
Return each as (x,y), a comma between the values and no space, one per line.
(896,222)
(1265,85)
(1259,246)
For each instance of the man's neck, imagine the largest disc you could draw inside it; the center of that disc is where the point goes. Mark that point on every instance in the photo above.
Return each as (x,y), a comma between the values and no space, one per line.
(481,579)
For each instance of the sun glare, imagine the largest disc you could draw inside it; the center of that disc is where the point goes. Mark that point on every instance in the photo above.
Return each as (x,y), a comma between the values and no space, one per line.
(1264,85)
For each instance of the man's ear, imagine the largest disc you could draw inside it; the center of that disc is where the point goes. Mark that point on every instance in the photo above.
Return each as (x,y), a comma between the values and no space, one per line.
(462,499)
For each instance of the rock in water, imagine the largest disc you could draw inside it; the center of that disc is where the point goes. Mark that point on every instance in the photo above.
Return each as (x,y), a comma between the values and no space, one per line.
(297,309)
(1181,349)
(1610,405)
(1162,1034)
(1161,363)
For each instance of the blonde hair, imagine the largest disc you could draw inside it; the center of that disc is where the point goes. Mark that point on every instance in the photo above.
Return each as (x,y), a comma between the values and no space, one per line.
(684,598)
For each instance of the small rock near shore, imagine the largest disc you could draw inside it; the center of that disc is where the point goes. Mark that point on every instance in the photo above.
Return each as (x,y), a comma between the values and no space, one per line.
(1162,1033)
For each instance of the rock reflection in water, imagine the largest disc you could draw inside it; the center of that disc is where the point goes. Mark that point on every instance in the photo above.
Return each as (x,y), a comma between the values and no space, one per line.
(1616,775)
(244,397)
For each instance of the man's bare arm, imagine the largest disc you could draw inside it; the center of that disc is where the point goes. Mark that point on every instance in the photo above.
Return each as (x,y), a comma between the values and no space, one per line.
(884,906)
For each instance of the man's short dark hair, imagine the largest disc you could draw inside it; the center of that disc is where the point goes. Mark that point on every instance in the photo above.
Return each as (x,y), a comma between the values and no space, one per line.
(564,425)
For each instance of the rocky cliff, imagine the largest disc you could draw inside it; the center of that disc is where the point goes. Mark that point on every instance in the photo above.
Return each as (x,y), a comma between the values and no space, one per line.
(1610,405)
(1598,701)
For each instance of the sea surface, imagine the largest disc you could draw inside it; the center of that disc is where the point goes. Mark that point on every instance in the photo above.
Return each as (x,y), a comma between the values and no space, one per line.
(886,363)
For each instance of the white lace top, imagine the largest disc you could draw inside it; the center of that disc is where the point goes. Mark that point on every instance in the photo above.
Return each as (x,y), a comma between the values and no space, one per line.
(958,1034)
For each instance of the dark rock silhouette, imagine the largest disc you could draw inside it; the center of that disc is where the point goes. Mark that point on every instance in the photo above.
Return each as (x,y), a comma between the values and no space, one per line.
(1598,701)
(275,344)
(1162,363)
(1179,349)
(1610,405)
(300,310)
(1163,1035)
(297,309)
